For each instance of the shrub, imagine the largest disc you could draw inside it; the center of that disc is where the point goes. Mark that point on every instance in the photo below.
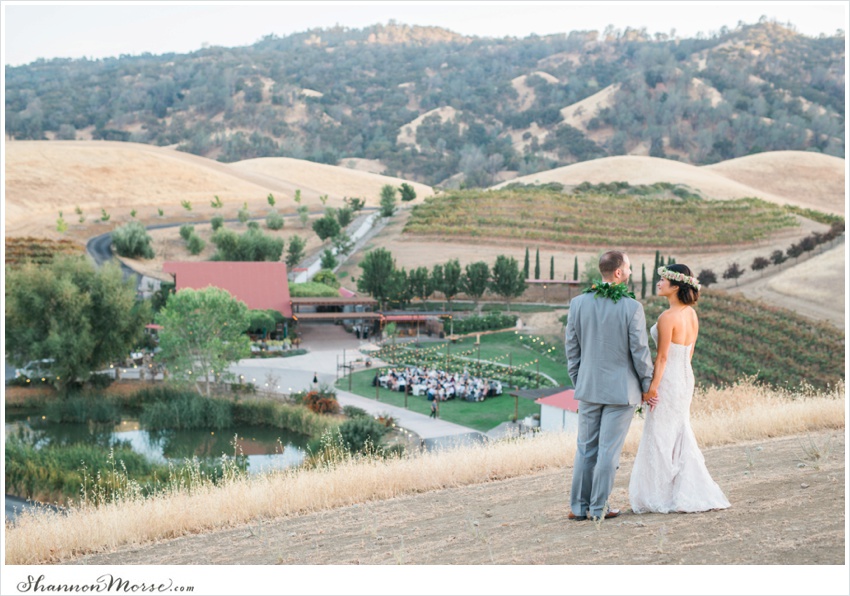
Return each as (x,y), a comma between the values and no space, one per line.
(486,323)
(407,192)
(295,418)
(759,263)
(132,240)
(186,231)
(57,472)
(196,244)
(303,215)
(326,227)
(274,221)
(733,271)
(344,216)
(253,245)
(312,289)
(777,257)
(794,251)
(707,277)
(187,410)
(329,259)
(362,434)
(83,408)
(100,380)
(354,412)
(320,402)
(326,277)
(217,222)
(244,215)
(388,200)
(253,225)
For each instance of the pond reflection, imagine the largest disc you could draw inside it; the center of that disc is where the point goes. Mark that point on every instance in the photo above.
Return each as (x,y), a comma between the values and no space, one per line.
(264,448)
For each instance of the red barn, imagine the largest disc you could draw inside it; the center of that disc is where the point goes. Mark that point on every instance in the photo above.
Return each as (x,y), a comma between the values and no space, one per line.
(260,285)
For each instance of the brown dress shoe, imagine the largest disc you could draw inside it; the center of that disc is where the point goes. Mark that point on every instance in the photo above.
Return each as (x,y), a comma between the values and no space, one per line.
(575,517)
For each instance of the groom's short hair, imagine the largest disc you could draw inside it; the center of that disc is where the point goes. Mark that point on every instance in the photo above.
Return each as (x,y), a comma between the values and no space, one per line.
(610,261)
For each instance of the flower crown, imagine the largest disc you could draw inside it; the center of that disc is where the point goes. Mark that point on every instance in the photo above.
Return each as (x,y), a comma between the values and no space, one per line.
(680,277)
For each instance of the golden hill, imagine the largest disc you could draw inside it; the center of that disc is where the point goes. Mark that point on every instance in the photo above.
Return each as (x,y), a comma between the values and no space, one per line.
(800,178)
(809,179)
(46,177)
(315,179)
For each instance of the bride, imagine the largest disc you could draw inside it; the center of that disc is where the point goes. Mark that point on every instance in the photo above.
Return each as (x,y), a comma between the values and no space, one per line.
(669,473)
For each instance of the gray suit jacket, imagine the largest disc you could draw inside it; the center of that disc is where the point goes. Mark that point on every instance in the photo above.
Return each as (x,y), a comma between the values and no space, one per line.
(608,354)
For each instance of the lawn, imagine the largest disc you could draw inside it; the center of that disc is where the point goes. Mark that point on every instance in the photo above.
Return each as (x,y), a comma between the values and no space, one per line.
(482,415)
(520,351)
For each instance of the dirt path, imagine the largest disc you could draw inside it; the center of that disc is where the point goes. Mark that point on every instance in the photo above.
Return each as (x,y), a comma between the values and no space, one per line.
(786,509)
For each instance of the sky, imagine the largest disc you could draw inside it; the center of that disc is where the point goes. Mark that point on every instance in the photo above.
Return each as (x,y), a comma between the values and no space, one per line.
(33,30)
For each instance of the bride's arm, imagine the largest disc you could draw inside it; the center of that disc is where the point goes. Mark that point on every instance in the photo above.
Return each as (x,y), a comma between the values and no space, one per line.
(665,336)
(696,335)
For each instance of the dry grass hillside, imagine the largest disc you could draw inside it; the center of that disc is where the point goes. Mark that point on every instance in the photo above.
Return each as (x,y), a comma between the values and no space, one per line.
(809,179)
(526,93)
(407,134)
(815,288)
(322,179)
(580,113)
(794,177)
(46,177)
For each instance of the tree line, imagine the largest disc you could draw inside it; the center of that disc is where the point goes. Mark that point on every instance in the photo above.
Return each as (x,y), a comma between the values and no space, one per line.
(389,285)
(808,243)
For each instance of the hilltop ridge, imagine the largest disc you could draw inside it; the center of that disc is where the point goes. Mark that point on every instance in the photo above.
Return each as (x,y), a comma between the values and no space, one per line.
(799,178)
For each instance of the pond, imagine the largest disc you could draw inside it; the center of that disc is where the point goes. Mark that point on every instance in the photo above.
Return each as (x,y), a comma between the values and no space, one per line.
(265,448)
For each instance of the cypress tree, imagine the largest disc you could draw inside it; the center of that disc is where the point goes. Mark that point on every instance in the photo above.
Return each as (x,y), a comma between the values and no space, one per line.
(643,281)
(655,278)
(575,269)
(537,264)
(552,267)
(525,265)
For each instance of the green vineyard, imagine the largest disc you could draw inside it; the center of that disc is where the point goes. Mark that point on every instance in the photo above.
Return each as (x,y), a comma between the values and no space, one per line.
(584,219)
(739,337)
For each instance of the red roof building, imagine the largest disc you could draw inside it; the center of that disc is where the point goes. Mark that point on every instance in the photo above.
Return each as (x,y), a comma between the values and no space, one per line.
(564,400)
(260,285)
(559,412)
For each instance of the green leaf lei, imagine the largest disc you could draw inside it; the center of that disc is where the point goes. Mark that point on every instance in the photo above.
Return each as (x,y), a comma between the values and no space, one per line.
(609,290)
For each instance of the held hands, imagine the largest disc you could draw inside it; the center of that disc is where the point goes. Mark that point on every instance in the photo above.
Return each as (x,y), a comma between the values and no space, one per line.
(651,397)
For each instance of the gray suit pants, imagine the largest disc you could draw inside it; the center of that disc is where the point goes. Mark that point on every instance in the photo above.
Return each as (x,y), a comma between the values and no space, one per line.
(602,430)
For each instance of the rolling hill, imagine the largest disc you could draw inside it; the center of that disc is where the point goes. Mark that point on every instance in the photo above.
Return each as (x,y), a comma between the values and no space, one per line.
(799,178)
(46,177)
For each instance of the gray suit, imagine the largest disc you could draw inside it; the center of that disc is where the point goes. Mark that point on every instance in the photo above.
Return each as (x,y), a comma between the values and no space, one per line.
(610,365)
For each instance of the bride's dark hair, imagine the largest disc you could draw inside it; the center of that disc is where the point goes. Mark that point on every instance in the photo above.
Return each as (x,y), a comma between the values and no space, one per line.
(687,294)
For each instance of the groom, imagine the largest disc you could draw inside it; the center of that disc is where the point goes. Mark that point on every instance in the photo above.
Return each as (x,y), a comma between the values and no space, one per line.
(610,365)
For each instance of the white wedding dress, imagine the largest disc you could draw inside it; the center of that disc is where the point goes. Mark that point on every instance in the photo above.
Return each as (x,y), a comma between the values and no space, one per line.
(669,473)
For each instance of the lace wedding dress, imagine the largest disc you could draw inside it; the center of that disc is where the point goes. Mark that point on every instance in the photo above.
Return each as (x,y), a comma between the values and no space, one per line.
(669,473)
